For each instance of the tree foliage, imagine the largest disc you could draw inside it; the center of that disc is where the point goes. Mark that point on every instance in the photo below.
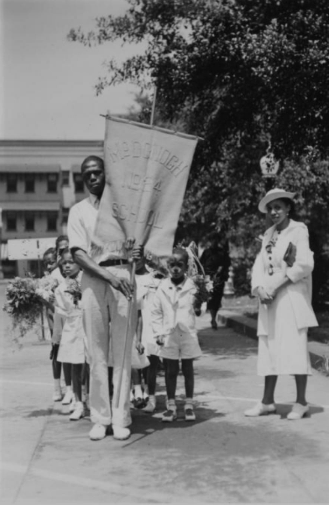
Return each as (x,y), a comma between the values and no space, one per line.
(238,73)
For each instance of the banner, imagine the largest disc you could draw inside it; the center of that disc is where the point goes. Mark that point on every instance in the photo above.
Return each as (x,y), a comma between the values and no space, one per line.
(146,175)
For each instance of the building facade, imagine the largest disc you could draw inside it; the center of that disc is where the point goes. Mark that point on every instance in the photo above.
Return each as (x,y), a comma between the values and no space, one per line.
(39,183)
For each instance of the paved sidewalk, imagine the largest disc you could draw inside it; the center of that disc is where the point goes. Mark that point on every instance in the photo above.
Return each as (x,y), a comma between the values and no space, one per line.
(223,457)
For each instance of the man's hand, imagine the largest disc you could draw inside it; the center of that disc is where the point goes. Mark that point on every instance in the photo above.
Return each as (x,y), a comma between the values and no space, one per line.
(138,252)
(160,340)
(264,296)
(122,285)
(140,348)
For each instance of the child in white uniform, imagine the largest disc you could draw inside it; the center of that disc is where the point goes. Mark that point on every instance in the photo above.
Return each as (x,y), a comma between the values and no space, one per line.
(173,323)
(50,266)
(146,286)
(72,347)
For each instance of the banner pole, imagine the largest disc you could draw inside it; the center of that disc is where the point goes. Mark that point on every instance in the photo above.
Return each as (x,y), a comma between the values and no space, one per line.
(132,281)
(130,306)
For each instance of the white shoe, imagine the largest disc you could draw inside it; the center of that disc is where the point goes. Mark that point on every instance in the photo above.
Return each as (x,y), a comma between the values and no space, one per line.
(68,397)
(78,412)
(169,415)
(298,411)
(260,410)
(189,413)
(57,395)
(73,405)
(97,432)
(120,433)
(150,407)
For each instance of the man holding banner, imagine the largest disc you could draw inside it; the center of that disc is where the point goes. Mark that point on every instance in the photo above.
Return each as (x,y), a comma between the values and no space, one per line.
(106,290)
(146,172)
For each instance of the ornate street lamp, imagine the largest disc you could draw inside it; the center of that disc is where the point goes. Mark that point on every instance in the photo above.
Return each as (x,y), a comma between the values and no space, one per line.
(268,164)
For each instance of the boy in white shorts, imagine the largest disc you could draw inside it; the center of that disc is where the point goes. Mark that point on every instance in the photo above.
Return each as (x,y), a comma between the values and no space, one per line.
(173,323)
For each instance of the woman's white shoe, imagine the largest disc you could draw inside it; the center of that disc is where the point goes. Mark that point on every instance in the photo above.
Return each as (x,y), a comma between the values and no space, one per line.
(298,411)
(260,410)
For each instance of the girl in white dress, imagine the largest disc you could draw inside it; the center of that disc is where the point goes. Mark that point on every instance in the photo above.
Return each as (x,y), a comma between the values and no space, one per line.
(72,347)
(281,279)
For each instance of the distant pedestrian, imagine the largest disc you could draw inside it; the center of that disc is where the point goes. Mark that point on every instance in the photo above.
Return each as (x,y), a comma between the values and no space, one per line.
(281,279)
(215,260)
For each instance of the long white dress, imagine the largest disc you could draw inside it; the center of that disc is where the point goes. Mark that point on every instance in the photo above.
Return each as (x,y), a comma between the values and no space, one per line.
(283,349)
(73,344)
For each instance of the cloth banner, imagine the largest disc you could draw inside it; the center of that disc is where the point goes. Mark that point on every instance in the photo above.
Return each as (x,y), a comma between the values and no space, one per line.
(146,175)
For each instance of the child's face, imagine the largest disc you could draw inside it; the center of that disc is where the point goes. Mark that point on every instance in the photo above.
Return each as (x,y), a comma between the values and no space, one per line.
(70,269)
(177,266)
(50,262)
(63,244)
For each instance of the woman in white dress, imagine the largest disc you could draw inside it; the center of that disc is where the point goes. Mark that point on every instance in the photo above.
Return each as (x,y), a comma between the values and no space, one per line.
(282,280)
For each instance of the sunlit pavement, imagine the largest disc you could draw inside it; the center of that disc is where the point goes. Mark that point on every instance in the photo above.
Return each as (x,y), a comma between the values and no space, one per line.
(222,457)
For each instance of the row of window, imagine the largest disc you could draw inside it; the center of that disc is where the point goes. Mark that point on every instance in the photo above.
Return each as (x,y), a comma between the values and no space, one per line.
(52,181)
(29,220)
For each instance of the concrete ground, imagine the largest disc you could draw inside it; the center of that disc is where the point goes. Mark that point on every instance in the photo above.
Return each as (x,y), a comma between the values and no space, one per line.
(223,457)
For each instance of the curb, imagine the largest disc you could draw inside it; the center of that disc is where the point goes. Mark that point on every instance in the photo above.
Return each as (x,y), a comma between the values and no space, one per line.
(247,326)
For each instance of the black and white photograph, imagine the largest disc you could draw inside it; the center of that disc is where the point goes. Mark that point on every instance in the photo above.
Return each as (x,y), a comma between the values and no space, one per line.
(164,252)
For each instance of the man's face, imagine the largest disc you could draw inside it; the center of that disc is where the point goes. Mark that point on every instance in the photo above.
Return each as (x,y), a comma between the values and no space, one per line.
(94,178)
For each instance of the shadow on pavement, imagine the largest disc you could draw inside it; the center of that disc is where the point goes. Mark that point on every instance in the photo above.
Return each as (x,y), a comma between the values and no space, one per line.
(283,410)
(226,345)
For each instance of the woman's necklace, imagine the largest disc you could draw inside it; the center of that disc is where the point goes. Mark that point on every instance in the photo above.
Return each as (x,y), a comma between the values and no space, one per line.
(269,249)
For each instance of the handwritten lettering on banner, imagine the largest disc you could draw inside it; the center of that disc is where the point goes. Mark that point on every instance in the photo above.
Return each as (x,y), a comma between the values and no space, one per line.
(146,175)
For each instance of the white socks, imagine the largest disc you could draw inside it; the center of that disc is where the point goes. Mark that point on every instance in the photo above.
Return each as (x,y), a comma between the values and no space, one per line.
(138,391)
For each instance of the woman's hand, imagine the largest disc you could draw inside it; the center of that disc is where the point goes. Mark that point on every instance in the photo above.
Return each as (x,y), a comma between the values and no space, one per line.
(265,297)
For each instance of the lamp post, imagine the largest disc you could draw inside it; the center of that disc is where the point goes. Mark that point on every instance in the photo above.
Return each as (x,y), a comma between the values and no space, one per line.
(269,167)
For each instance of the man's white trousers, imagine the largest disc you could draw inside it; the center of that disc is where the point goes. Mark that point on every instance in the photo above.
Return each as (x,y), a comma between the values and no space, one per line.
(102,305)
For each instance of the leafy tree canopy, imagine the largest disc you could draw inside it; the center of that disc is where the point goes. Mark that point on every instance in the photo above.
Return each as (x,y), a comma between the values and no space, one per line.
(238,73)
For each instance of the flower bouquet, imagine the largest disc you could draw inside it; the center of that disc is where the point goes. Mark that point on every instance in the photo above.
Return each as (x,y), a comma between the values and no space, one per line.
(74,289)
(23,304)
(46,287)
(203,288)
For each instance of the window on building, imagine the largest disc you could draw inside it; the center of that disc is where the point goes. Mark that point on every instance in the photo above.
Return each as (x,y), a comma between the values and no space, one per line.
(52,183)
(11,183)
(29,221)
(52,221)
(78,184)
(29,183)
(11,221)
(65,215)
(65,177)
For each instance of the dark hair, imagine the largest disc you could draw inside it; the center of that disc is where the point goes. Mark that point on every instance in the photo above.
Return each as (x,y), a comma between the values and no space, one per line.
(182,252)
(60,239)
(65,250)
(214,235)
(51,250)
(96,159)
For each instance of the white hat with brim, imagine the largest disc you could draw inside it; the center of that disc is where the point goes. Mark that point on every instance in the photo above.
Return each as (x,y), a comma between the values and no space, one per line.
(273,194)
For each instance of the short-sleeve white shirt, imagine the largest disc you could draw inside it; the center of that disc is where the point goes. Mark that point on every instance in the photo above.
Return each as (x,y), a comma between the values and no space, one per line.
(81,225)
